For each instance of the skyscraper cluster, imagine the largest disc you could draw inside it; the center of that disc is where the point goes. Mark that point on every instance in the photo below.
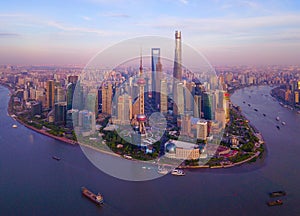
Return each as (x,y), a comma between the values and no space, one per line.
(183,97)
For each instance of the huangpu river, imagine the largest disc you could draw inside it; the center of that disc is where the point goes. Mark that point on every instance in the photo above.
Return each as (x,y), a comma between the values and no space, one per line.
(32,183)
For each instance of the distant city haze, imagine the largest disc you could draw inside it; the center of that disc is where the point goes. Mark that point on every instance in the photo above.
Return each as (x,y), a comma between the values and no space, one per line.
(226,32)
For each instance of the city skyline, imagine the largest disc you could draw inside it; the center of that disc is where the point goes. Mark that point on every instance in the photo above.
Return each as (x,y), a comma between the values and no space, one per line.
(226,32)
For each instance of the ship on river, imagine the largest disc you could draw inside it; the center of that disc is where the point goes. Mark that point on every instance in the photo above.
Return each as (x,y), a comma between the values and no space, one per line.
(277,193)
(98,199)
(275,203)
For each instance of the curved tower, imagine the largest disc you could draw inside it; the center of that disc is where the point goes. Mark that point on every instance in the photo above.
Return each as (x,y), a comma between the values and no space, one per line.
(177,70)
(177,75)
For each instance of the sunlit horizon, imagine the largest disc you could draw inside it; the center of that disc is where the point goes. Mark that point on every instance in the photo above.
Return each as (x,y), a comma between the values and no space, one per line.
(234,32)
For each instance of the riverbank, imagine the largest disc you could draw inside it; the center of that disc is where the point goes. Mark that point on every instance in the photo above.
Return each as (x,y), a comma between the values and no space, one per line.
(72,142)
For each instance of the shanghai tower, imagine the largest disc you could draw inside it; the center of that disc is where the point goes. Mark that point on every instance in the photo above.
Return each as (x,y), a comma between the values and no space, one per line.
(177,77)
(177,72)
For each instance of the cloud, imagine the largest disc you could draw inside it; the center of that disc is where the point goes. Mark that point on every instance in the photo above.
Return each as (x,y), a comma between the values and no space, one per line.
(9,35)
(86,18)
(13,15)
(83,29)
(225,24)
(249,4)
(120,15)
(184,1)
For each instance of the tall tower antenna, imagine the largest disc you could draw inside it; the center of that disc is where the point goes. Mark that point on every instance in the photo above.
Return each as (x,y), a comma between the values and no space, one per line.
(141,63)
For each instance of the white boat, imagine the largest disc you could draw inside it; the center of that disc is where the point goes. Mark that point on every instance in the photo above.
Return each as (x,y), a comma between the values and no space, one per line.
(127,157)
(283,123)
(15,126)
(162,171)
(177,172)
(277,118)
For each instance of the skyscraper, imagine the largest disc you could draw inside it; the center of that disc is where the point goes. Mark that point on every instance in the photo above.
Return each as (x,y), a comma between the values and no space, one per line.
(59,94)
(70,93)
(208,105)
(155,57)
(50,94)
(163,105)
(107,98)
(177,71)
(197,106)
(178,98)
(201,130)
(60,112)
(72,79)
(177,74)
(124,109)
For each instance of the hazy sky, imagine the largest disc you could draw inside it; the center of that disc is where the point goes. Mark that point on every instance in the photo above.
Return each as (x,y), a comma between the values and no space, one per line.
(225,31)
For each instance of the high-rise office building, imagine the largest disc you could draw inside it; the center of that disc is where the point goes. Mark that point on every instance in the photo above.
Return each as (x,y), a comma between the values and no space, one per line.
(72,79)
(107,94)
(186,125)
(208,105)
(70,93)
(60,112)
(163,105)
(92,101)
(189,92)
(50,94)
(197,106)
(155,74)
(59,94)
(178,98)
(124,109)
(201,129)
(226,108)
(158,79)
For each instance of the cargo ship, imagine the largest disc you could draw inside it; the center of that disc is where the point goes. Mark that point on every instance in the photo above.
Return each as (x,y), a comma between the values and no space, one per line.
(275,203)
(98,199)
(277,193)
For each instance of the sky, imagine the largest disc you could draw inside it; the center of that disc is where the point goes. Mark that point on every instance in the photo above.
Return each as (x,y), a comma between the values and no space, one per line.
(227,32)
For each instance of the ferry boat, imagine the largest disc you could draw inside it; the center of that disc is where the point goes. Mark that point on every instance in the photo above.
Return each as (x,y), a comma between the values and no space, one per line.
(162,170)
(277,118)
(275,203)
(56,158)
(98,199)
(177,172)
(277,193)
(15,126)
(127,157)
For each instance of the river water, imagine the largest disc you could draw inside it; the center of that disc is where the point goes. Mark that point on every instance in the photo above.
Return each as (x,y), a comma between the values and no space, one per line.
(32,183)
